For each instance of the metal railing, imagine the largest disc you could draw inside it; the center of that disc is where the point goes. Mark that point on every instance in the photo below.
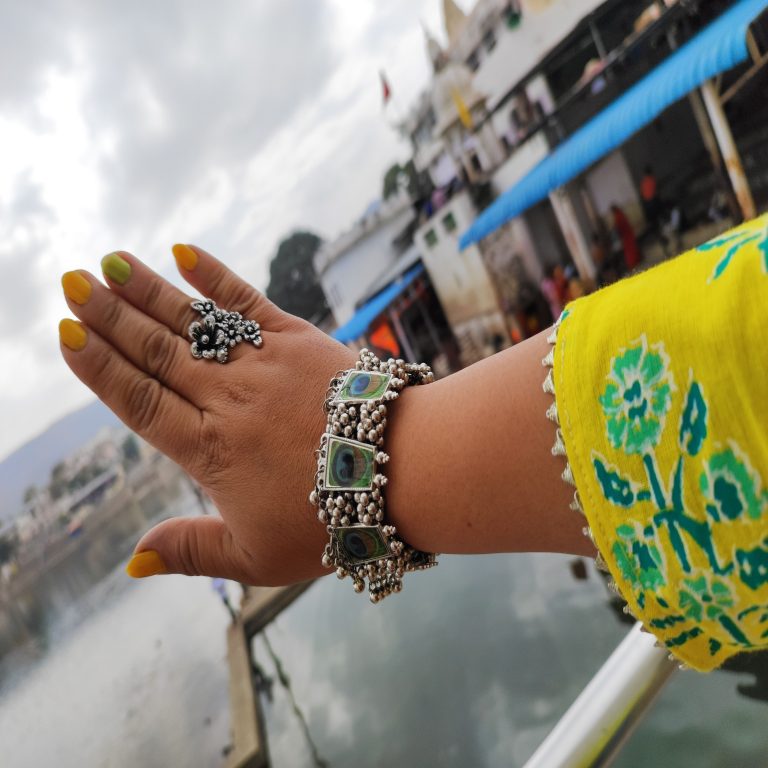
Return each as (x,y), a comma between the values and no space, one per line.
(591,733)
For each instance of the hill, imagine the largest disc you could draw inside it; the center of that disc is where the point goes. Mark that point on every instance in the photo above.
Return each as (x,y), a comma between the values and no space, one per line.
(32,463)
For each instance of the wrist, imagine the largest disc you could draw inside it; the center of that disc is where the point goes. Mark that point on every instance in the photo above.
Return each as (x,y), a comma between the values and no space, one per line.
(410,482)
(471,469)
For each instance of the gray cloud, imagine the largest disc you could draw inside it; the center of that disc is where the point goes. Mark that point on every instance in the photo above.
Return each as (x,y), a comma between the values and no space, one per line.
(33,38)
(189,87)
(24,221)
(140,122)
(27,208)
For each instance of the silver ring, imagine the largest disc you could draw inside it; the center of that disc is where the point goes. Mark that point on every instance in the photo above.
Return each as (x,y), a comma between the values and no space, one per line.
(219,331)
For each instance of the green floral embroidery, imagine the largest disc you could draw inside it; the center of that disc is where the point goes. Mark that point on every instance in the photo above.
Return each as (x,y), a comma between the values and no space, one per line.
(693,424)
(731,486)
(667,622)
(637,397)
(636,400)
(755,619)
(683,637)
(639,558)
(709,597)
(763,248)
(617,489)
(705,596)
(736,242)
(752,565)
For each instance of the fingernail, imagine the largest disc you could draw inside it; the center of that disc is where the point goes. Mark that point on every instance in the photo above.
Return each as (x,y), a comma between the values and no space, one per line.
(116,268)
(76,287)
(185,257)
(72,334)
(147,563)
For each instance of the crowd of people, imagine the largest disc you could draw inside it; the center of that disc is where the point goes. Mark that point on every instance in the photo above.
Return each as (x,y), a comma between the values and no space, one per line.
(616,249)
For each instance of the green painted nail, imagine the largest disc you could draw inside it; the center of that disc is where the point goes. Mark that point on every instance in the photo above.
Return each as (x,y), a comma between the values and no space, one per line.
(116,268)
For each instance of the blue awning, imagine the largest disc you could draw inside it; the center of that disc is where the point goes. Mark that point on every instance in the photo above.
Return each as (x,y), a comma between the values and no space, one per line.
(719,47)
(358,324)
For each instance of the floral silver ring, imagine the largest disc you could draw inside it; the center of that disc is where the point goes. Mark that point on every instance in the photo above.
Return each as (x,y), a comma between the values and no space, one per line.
(219,331)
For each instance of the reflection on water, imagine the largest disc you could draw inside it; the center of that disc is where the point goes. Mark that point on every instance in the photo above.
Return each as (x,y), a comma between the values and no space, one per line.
(116,672)
(470,666)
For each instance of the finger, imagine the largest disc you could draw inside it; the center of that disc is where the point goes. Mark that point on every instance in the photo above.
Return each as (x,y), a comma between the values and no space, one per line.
(193,546)
(151,346)
(213,280)
(147,291)
(163,418)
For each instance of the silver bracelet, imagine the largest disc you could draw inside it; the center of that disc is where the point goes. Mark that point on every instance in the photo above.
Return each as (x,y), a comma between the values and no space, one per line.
(349,484)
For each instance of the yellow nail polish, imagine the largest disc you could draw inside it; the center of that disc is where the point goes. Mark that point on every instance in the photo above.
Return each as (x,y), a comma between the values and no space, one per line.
(185,257)
(76,287)
(148,563)
(72,334)
(116,268)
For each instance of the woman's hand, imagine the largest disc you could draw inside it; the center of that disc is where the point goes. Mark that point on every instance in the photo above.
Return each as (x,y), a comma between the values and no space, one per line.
(247,431)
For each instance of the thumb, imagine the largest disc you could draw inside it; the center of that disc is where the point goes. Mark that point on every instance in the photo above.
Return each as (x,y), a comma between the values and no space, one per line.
(194,546)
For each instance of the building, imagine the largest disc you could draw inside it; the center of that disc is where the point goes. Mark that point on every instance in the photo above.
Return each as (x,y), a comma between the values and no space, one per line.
(542,116)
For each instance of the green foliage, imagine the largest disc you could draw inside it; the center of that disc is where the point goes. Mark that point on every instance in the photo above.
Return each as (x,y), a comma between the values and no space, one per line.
(392,181)
(62,483)
(130,449)
(58,484)
(293,284)
(397,177)
(8,546)
(84,476)
(30,493)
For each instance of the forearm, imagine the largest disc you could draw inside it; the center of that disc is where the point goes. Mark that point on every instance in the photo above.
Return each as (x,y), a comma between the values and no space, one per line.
(471,467)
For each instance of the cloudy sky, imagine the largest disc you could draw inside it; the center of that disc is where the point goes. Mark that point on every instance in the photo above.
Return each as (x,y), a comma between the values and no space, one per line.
(138,124)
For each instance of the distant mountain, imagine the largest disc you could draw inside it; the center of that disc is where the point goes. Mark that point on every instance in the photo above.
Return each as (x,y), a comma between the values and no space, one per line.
(32,463)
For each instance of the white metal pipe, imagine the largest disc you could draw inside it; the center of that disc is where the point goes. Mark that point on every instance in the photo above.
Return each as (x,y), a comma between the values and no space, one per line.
(592,731)
(728,150)
(574,237)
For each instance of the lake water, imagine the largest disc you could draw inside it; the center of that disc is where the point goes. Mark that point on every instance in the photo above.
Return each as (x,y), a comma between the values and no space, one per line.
(470,666)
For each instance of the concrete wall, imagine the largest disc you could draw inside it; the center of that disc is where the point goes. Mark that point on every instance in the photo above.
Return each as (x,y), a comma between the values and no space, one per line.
(520,162)
(609,182)
(518,50)
(545,232)
(461,280)
(346,277)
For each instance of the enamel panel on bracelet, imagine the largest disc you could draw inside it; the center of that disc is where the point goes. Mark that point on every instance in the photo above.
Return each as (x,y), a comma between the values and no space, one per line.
(360,386)
(350,465)
(361,543)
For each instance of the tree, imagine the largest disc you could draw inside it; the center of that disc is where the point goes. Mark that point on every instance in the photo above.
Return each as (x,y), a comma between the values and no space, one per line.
(393,181)
(398,177)
(8,546)
(130,449)
(293,284)
(30,493)
(58,484)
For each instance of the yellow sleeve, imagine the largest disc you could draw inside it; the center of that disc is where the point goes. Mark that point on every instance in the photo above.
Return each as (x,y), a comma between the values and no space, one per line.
(661,392)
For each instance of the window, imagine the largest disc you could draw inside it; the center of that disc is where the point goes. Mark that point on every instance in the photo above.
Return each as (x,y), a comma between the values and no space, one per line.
(473,62)
(513,14)
(489,40)
(431,238)
(449,222)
